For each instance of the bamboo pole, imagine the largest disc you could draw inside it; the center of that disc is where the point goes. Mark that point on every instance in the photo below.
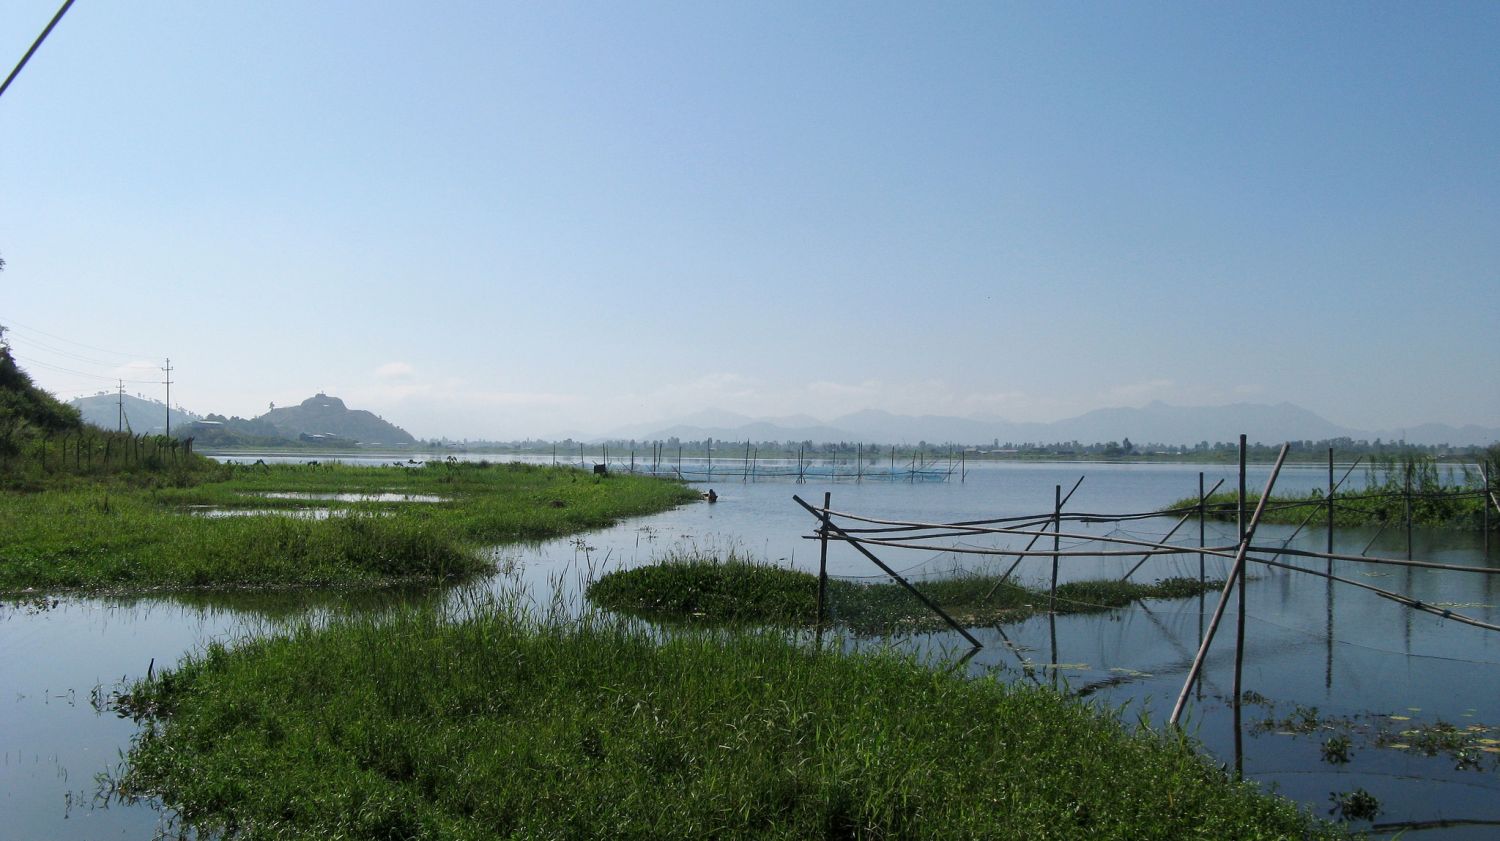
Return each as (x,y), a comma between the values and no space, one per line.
(1239,623)
(1029,545)
(1415,604)
(1485,474)
(1332,490)
(895,575)
(1056,545)
(823,558)
(1235,575)
(1407,501)
(1168,538)
(1202,530)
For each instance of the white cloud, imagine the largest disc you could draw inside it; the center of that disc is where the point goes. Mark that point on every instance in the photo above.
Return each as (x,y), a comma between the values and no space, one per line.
(1140,392)
(395,371)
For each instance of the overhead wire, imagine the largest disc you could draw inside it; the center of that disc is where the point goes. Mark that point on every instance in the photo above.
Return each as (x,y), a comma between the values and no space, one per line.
(16,326)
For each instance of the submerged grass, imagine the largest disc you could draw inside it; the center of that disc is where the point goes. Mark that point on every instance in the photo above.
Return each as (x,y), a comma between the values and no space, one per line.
(112,536)
(700,587)
(500,726)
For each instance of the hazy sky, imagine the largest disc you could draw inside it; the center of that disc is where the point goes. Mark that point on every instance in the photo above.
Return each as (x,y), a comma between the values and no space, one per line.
(499,220)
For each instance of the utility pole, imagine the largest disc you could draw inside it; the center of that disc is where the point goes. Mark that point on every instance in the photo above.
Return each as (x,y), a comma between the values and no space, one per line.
(168,369)
(120,401)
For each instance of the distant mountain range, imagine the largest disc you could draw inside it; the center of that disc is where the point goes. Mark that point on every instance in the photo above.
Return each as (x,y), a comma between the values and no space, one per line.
(1156,423)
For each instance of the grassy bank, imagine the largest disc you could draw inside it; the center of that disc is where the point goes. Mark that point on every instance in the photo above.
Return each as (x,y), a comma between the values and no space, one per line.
(499,727)
(701,588)
(110,534)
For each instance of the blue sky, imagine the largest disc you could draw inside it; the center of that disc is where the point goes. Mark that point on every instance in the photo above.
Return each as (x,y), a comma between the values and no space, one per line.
(500,220)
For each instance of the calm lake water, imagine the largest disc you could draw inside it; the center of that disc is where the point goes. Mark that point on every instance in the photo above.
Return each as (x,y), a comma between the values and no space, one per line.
(1368,666)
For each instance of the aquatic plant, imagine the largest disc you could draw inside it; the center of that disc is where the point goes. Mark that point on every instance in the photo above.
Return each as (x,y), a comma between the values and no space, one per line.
(1356,805)
(499,726)
(97,535)
(701,587)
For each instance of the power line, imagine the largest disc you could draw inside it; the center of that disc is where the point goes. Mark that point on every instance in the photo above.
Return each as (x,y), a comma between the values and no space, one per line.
(37,43)
(69,354)
(49,366)
(14,325)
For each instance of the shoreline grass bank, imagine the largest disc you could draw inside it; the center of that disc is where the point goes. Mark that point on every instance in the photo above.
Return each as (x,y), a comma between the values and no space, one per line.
(96,535)
(500,726)
(691,587)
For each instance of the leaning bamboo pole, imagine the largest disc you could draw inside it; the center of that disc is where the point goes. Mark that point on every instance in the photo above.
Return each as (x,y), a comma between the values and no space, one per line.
(1236,573)
(1415,604)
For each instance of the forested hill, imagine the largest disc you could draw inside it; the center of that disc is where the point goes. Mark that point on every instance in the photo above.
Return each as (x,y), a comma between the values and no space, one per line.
(324,415)
(26,409)
(142,416)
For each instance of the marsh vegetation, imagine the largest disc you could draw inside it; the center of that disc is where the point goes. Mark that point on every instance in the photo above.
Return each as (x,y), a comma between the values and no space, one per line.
(499,726)
(123,534)
(705,588)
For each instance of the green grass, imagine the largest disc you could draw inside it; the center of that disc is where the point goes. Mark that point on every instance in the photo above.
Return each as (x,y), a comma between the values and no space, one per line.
(1457,508)
(1456,500)
(110,535)
(504,727)
(703,588)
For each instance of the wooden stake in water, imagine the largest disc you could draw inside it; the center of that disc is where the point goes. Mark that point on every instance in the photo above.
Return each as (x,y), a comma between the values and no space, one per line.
(1202,534)
(1234,576)
(1239,629)
(1056,544)
(1407,497)
(823,558)
(1332,489)
(1484,503)
(894,575)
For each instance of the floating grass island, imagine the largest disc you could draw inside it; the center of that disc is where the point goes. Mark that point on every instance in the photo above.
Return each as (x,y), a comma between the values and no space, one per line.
(689,587)
(500,726)
(312,525)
